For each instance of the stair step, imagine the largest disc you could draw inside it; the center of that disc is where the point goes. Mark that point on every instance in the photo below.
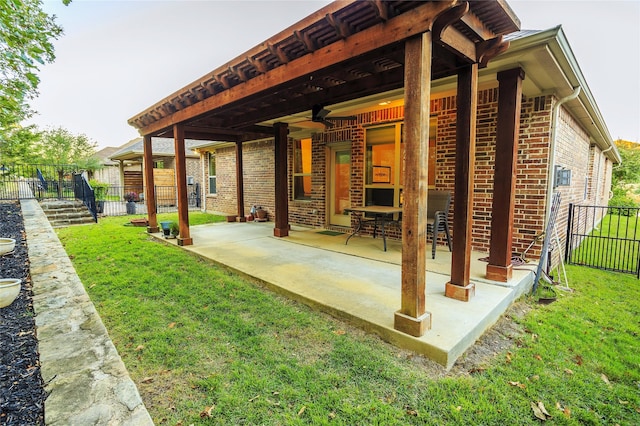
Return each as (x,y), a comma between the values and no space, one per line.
(63,213)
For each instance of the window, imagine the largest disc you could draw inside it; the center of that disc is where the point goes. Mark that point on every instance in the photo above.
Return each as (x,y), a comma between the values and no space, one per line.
(384,172)
(302,169)
(158,164)
(212,173)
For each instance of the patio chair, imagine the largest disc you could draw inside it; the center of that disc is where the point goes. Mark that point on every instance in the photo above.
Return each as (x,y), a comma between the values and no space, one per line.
(438,217)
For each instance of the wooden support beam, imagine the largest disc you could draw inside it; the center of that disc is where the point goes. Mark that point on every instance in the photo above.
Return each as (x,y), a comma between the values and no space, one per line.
(149,187)
(412,317)
(459,287)
(184,239)
(282,188)
(504,179)
(240,182)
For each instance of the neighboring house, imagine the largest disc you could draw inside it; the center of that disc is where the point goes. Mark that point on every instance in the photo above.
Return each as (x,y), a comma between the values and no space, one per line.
(131,163)
(110,171)
(374,102)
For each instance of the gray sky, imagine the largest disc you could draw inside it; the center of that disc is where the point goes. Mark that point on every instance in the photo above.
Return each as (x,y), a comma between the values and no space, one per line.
(117,58)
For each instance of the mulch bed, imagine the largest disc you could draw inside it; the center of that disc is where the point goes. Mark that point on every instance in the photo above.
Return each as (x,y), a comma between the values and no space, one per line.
(22,393)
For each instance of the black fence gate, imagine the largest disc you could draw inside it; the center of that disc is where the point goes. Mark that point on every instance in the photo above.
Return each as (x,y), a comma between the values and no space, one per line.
(604,237)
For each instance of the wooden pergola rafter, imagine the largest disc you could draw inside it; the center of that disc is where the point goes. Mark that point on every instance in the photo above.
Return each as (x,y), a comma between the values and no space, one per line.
(343,52)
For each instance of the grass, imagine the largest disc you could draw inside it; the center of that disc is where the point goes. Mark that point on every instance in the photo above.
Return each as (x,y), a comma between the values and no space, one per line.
(205,346)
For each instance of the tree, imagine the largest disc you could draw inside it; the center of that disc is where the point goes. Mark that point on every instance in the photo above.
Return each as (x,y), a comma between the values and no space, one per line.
(65,151)
(626,176)
(26,35)
(18,144)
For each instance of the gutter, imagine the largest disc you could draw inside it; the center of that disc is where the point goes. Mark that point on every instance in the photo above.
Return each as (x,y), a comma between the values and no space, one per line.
(552,149)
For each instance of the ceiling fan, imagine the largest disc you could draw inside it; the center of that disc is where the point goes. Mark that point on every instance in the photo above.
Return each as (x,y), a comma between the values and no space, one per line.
(320,115)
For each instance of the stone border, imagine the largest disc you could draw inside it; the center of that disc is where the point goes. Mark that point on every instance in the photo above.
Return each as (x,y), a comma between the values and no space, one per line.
(85,378)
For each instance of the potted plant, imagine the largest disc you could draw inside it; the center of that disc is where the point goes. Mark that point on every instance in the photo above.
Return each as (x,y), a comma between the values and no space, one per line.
(131,197)
(166,228)
(175,229)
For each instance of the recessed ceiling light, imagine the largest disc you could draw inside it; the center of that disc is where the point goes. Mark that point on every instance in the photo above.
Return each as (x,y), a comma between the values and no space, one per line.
(384,103)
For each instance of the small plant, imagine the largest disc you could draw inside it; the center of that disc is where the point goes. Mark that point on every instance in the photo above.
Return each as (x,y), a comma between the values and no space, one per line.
(100,189)
(175,228)
(130,196)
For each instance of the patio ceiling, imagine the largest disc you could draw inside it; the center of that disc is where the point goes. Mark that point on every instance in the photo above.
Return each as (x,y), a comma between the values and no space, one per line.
(345,51)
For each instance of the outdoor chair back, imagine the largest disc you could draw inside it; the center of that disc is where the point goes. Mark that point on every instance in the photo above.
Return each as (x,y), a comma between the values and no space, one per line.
(438,217)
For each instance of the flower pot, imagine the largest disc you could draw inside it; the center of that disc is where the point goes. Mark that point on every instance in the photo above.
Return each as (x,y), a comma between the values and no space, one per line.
(131,207)
(166,228)
(9,290)
(7,245)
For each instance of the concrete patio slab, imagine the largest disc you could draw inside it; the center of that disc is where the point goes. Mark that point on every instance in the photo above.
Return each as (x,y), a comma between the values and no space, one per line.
(360,282)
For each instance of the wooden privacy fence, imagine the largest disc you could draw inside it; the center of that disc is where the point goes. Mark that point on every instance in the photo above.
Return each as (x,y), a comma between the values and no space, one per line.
(604,237)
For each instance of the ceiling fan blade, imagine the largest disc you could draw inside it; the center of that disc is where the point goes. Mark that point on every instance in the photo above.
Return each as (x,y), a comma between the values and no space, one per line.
(318,113)
(343,117)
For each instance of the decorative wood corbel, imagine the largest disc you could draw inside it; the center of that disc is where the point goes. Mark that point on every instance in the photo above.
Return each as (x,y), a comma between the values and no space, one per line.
(341,28)
(446,18)
(306,41)
(381,9)
(278,53)
(489,49)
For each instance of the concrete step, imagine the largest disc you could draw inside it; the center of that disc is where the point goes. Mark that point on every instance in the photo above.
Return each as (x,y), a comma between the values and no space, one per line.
(62,213)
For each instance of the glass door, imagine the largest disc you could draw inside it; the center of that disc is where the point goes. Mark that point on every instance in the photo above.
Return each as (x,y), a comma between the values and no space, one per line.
(340,185)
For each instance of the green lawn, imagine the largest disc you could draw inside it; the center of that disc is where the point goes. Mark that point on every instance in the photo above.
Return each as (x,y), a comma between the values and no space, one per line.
(206,346)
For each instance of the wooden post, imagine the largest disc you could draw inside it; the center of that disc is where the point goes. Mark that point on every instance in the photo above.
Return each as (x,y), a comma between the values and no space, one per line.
(412,317)
(459,286)
(240,183)
(504,180)
(282,194)
(184,239)
(150,190)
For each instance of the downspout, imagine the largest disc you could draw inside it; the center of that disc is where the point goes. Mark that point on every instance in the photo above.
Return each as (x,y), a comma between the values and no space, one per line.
(600,167)
(552,151)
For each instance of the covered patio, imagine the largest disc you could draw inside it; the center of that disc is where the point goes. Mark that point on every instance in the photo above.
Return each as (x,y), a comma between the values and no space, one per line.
(356,52)
(360,282)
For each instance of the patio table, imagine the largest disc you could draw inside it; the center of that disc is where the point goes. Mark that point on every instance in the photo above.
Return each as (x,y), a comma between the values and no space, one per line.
(382,214)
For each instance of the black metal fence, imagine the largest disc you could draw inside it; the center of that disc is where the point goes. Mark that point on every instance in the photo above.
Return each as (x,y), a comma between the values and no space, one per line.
(121,200)
(43,181)
(604,237)
(39,181)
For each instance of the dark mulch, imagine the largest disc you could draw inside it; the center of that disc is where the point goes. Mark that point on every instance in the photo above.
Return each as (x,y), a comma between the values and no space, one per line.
(22,393)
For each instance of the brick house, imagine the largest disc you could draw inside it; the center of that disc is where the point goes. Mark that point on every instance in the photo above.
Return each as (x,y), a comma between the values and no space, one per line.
(375,102)
(582,145)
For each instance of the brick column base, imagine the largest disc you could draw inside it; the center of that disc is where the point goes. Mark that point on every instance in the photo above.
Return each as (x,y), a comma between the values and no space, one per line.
(464,294)
(499,273)
(413,326)
(185,241)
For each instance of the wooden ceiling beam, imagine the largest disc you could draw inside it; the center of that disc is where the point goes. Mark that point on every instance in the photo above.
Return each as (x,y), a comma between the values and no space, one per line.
(409,24)
(382,82)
